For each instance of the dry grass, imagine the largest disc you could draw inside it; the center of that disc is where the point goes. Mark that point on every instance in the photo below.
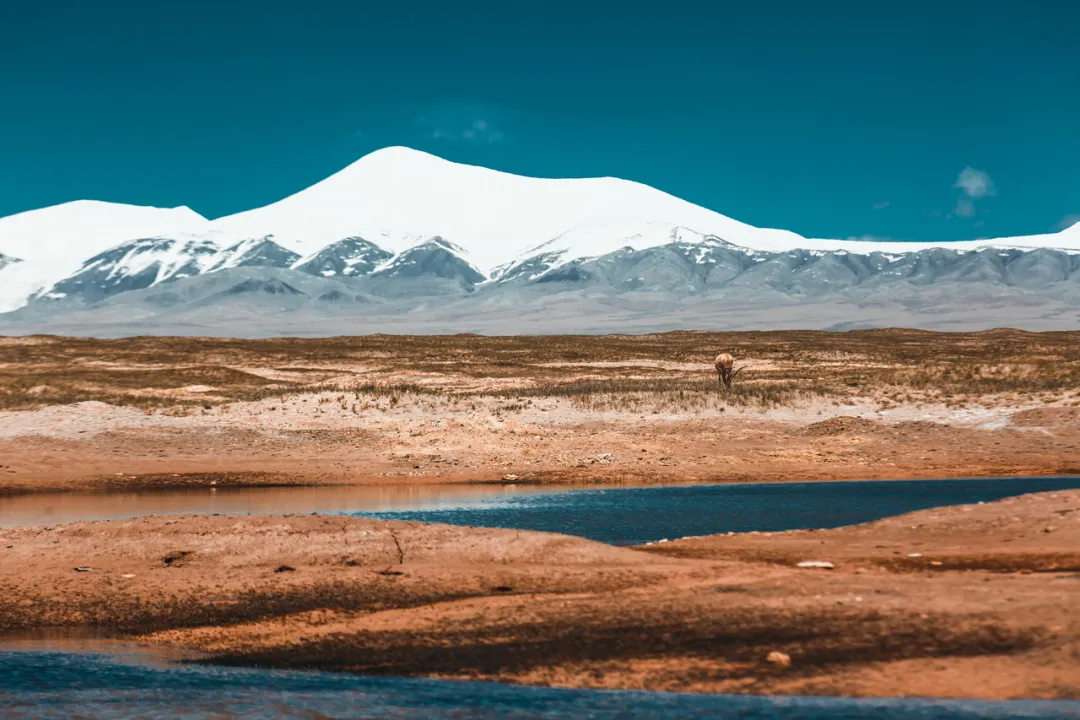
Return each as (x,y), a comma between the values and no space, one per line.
(669,394)
(670,371)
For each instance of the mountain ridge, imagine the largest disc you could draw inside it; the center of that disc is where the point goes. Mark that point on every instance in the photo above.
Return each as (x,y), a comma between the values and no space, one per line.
(405,225)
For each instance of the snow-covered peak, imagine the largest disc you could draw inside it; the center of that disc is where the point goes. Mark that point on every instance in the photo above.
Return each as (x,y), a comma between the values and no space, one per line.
(397,196)
(596,240)
(54,242)
(383,212)
(75,231)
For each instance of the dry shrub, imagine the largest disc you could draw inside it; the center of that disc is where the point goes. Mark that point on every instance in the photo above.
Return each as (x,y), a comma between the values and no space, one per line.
(669,394)
(654,372)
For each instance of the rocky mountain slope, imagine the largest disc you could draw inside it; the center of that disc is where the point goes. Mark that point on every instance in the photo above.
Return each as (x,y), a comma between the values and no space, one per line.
(402,239)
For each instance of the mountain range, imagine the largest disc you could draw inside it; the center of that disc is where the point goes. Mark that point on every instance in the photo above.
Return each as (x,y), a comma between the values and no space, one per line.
(405,241)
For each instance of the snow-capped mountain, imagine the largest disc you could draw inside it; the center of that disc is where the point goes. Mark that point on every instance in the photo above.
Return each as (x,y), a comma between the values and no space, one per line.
(434,258)
(400,225)
(351,257)
(254,252)
(135,265)
(396,197)
(54,242)
(70,233)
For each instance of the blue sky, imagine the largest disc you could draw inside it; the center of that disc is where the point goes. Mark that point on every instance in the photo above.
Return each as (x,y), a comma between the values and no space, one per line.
(910,120)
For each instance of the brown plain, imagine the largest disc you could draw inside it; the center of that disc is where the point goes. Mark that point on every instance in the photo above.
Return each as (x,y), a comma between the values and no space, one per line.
(975,601)
(155,412)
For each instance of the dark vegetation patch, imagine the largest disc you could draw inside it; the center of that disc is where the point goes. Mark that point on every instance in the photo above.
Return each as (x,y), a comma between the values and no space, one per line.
(670,393)
(122,613)
(736,639)
(997,562)
(175,558)
(785,366)
(843,425)
(201,480)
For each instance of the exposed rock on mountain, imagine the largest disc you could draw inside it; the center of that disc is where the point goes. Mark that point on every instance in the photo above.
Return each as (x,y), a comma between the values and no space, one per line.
(351,257)
(255,252)
(132,266)
(563,254)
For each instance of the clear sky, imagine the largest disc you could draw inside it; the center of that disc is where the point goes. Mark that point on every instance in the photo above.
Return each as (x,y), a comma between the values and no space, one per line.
(913,120)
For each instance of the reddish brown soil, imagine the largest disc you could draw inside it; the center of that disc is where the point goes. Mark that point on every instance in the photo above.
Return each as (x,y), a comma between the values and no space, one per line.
(973,601)
(635,451)
(141,413)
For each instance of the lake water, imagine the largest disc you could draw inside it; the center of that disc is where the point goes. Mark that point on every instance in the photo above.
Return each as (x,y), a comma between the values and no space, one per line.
(44,683)
(45,680)
(619,515)
(630,516)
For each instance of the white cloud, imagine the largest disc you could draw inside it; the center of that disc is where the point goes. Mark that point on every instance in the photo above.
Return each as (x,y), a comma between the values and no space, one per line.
(881,205)
(870,238)
(975,183)
(463,122)
(1067,222)
(964,208)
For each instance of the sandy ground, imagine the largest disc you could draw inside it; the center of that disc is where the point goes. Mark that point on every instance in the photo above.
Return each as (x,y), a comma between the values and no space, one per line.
(160,412)
(312,439)
(972,601)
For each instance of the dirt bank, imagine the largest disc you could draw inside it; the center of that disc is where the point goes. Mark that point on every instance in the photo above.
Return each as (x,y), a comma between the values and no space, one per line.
(143,413)
(973,601)
(93,446)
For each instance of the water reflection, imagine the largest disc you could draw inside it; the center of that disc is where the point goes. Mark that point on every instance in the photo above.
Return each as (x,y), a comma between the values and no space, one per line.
(630,516)
(619,515)
(55,508)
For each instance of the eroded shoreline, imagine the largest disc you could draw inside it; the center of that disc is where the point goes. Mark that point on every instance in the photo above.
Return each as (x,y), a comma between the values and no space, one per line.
(972,601)
(966,601)
(83,448)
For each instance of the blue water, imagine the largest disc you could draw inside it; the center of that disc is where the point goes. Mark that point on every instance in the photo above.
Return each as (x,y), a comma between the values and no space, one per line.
(49,683)
(45,684)
(631,516)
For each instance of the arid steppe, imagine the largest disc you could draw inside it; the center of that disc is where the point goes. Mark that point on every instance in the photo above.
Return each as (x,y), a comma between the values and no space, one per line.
(156,412)
(966,601)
